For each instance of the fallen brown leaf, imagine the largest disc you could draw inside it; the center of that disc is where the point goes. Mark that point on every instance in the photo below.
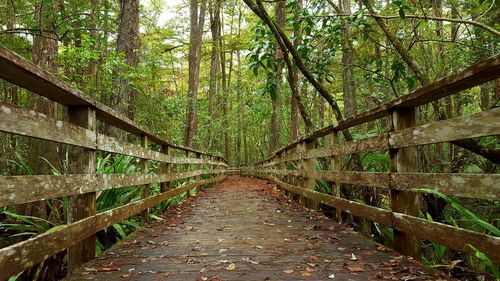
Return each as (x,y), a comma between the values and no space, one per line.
(354,268)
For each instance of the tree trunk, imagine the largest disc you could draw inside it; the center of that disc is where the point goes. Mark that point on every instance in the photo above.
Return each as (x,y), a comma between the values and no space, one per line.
(348,84)
(275,143)
(44,51)
(285,43)
(294,84)
(10,90)
(128,44)
(239,90)
(214,10)
(93,67)
(197,20)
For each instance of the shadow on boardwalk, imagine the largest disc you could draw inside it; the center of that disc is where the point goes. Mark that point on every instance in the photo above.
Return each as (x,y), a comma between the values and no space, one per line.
(246,230)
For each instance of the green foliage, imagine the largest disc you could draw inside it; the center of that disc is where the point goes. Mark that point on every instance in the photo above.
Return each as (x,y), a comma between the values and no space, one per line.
(491,229)
(386,234)
(26,225)
(439,250)
(494,269)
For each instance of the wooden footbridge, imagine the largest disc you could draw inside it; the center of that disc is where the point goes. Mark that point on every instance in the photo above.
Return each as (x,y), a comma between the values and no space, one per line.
(244,228)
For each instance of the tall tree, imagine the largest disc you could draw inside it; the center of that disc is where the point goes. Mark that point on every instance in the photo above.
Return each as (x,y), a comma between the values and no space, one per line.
(239,89)
(471,144)
(45,46)
(215,26)
(348,84)
(294,106)
(128,44)
(286,44)
(11,90)
(93,67)
(274,142)
(197,20)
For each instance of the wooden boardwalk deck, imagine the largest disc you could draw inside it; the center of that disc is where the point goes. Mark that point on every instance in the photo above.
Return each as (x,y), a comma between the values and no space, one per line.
(246,230)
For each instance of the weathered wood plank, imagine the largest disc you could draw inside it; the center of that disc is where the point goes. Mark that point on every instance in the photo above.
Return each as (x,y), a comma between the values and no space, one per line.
(309,182)
(369,212)
(145,189)
(404,160)
(113,145)
(165,168)
(376,143)
(369,144)
(336,167)
(452,237)
(472,76)
(33,124)
(22,255)
(447,235)
(486,123)
(22,189)
(82,161)
(480,186)
(24,73)
(359,178)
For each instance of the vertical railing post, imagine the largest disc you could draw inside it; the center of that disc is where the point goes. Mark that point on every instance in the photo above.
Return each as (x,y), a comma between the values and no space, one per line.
(300,166)
(309,182)
(280,167)
(165,169)
(406,202)
(188,169)
(82,161)
(145,188)
(198,167)
(335,166)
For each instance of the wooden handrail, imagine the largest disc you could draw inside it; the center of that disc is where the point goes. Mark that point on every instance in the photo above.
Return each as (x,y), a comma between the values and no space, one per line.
(472,76)
(24,73)
(403,182)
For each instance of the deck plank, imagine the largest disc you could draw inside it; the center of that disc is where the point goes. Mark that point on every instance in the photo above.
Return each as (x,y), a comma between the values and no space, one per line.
(267,236)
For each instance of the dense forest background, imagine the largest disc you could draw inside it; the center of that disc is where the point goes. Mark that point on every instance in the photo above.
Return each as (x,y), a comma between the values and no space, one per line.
(243,78)
(213,75)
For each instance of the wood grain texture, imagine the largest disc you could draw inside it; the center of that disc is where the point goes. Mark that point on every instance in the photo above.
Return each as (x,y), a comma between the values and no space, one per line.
(113,145)
(22,255)
(455,184)
(82,161)
(450,236)
(477,74)
(404,160)
(239,222)
(485,123)
(24,73)
(447,235)
(33,124)
(22,189)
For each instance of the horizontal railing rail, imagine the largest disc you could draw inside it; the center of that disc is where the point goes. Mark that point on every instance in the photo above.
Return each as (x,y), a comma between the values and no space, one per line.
(19,71)
(403,182)
(472,76)
(79,135)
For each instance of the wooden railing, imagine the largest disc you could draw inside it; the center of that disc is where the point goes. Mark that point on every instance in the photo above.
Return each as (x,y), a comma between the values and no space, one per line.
(82,185)
(404,179)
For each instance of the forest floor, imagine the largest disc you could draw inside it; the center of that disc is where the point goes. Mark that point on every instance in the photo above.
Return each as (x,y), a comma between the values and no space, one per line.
(245,229)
